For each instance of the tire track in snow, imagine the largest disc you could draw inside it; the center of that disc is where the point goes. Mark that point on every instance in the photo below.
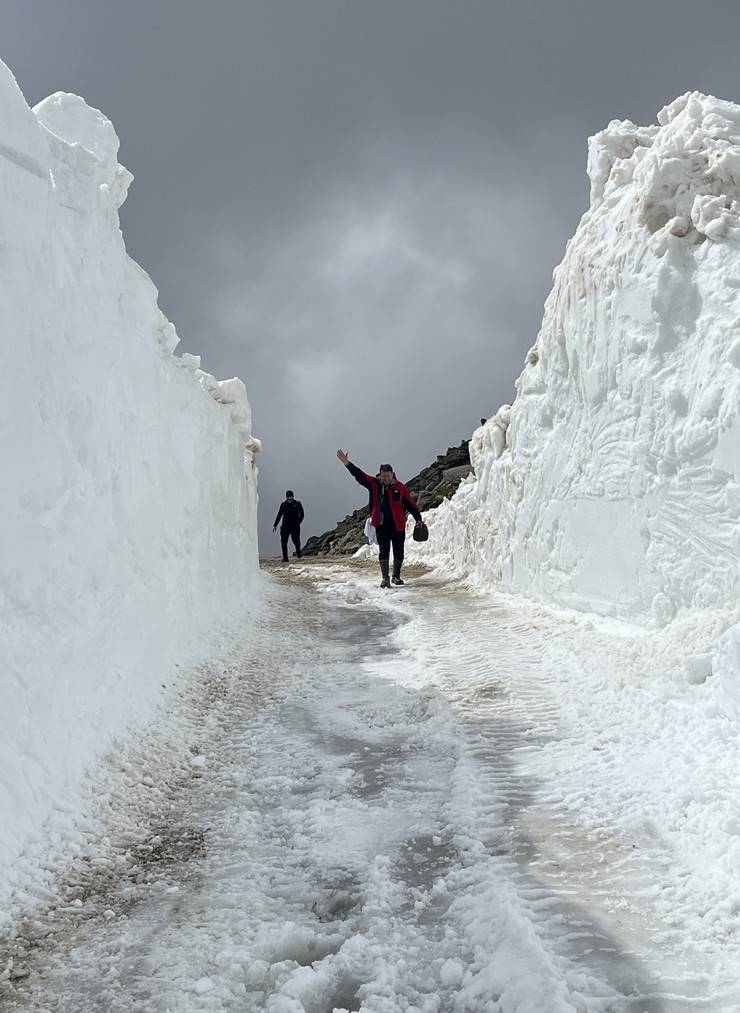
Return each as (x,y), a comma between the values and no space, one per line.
(588,892)
(319,821)
(380,831)
(141,832)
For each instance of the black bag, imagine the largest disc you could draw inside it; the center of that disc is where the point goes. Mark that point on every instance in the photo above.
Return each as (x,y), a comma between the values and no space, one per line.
(421,532)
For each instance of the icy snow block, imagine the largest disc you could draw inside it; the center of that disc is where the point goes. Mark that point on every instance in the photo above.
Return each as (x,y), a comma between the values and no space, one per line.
(72,120)
(130,507)
(84,148)
(611,484)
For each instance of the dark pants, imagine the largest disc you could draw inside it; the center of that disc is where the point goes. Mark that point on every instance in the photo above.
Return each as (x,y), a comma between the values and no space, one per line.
(388,536)
(293,532)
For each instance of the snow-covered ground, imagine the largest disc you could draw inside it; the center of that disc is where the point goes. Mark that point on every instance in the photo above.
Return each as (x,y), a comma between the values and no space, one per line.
(424,801)
(128,500)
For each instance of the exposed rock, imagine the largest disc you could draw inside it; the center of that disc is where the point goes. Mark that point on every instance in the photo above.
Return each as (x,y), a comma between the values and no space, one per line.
(456,474)
(429,488)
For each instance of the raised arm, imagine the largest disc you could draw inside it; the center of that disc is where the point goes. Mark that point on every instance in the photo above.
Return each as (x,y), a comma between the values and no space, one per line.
(355,472)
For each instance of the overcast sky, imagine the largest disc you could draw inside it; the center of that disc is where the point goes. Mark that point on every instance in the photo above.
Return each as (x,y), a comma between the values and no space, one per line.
(356,205)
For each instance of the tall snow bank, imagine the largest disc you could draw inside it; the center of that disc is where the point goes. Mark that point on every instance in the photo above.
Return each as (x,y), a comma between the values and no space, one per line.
(128,500)
(612,483)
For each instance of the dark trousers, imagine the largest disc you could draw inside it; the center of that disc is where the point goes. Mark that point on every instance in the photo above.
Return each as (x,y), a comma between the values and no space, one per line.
(388,536)
(293,532)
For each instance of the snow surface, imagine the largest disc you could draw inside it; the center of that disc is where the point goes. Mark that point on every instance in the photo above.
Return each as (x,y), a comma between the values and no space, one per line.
(612,483)
(438,801)
(129,500)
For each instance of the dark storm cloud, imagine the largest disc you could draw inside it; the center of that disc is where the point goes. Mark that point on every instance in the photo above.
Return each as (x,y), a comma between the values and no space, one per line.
(357,206)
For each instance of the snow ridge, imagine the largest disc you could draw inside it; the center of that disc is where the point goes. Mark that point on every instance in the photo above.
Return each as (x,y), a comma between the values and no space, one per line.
(612,484)
(129,501)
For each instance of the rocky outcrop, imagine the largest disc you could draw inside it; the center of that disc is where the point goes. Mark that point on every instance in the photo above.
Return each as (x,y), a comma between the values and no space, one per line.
(429,488)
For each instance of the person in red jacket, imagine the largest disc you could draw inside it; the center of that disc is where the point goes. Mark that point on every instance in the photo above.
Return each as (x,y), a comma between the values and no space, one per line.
(390,501)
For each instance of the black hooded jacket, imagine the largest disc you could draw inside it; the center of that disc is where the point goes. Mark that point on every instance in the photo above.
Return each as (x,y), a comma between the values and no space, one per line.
(291,514)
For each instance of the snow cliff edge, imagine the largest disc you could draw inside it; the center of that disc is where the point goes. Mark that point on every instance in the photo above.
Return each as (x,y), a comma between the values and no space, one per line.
(612,484)
(129,499)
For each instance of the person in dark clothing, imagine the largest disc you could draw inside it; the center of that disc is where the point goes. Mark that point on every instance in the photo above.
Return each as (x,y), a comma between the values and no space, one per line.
(390,501)
(291,513)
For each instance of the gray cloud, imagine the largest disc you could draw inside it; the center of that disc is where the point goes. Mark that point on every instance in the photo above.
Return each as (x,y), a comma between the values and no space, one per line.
(357,206)
(388,322)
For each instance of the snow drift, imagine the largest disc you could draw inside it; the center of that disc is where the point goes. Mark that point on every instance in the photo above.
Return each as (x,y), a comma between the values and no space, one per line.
(128,501)
(612,483)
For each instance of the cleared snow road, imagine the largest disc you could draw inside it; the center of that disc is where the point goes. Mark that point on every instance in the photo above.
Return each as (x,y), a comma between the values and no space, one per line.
(390,802)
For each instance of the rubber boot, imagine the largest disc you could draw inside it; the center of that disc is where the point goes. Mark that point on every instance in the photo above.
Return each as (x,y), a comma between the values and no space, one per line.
(397,571)
(385,582)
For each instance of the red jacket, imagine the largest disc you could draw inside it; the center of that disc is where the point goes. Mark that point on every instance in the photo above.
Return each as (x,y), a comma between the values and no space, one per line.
(400,499)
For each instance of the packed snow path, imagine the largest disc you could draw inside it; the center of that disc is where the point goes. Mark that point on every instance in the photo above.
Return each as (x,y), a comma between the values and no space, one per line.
(413,801)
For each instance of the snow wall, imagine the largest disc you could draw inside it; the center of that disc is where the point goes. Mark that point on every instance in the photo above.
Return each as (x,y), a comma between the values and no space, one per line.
(612,484)
(128,500)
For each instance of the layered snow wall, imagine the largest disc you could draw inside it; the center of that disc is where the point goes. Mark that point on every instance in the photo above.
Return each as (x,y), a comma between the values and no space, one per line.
(128,499)
(612,483)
